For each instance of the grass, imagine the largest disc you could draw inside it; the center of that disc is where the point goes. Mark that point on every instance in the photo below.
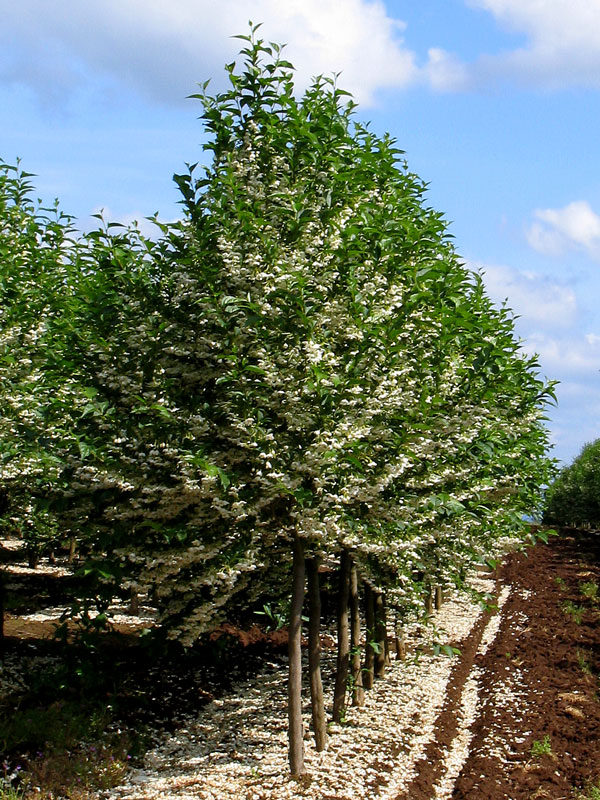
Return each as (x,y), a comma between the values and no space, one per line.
(591,791)
(541,747)
(76,755)
(60,737)
(590,591)
(583,663)
(574,611)
(8,792)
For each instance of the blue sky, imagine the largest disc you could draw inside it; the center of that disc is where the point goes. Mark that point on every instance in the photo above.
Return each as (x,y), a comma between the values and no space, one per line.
(496,103)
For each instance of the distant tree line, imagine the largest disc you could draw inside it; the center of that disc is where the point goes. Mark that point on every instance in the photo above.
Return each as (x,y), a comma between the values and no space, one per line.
(574,497)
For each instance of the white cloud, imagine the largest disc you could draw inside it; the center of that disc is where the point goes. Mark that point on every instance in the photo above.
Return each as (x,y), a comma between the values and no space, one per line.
(562,47)
(445,72)
(564,357)
(575,226)
(163,48)
(133,219)
(535,298)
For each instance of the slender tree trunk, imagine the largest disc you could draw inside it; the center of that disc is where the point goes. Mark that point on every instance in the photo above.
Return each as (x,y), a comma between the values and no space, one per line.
(399,640)
(2,590)
(369,668)
(72,547)
(388,658)
(296,743)
(428,600)
(134,603)
(314,654)
(380,635)
(343,655)
(358,692)
(439,597)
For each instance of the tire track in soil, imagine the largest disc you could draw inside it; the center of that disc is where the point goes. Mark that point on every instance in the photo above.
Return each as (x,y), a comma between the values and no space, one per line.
(530,685)
(430,767)
(538,648)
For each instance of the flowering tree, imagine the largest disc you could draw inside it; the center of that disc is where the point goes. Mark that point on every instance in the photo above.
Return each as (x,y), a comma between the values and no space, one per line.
(34,241)
(301,368)
(339,380)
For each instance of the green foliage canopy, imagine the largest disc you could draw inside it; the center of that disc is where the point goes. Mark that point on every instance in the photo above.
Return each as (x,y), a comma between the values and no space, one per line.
(304,353)
(574,497)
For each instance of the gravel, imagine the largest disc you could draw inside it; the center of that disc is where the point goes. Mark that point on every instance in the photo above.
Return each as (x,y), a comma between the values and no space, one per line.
(236,747)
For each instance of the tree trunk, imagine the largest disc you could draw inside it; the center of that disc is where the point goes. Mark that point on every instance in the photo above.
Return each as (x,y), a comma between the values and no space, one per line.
(2,590)
(380,635)
(314,654)
(134,603)
(388,658)
(399,640)
(368,671)
(343,654)
(72,547)
(296,743)
(439,597)
(358,692)
(428,600)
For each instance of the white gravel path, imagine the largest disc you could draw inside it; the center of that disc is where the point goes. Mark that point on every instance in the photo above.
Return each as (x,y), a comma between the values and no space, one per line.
(236,747)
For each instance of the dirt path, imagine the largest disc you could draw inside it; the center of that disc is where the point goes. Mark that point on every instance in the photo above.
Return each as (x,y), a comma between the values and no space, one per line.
(535,728)
(540,678)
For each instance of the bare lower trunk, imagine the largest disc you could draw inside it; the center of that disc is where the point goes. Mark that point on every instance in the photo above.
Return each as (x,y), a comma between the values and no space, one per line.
(368,671)
(2,590)
(296,743)
(388,657)
(343,656)
(358,692)
(314,654)
(428,600)
(72,548)
(380,635)
(399,640)
(439,597)
(134,603)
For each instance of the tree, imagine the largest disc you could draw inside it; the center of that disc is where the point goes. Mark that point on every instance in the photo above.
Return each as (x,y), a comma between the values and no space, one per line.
(574,497)
(35,242)
(301,368)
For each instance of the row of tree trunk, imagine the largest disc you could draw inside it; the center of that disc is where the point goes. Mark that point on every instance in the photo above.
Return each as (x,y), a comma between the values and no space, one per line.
(351,670)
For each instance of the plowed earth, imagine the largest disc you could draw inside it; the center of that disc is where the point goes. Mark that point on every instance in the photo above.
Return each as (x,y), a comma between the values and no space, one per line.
(537,730)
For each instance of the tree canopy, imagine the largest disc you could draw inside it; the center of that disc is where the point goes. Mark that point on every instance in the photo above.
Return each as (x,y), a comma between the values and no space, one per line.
(303,355)
(574,497)
(301,370)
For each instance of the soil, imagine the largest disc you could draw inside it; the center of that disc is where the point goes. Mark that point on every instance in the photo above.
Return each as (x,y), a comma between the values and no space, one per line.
(537,731)
(536,734)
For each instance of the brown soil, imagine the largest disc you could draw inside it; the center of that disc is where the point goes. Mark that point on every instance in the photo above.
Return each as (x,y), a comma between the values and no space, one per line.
(539,686)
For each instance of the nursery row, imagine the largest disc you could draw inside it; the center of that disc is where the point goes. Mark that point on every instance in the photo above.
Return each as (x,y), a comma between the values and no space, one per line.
(299,368)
